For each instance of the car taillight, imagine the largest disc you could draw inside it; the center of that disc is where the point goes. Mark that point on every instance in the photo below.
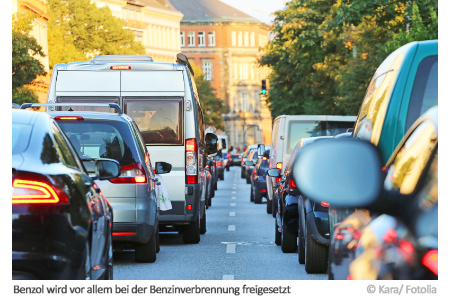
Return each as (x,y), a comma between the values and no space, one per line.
(134,173)
(219,164)
(191,161)
(36,192)
(264,158)
(279,166)
(292,184)
(430,260)
(68,118)
(278,179)
(325,204)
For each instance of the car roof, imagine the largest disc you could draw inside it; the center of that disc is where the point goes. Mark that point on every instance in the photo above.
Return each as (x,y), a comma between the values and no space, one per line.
(21,116)
(93,115)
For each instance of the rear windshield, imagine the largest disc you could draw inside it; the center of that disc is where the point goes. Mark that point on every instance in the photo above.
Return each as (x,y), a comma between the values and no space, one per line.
(102,139)
(20,137)
(160,121)
(103,100)
(304,129)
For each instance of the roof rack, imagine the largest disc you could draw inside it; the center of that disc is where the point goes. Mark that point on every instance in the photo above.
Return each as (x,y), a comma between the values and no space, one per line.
(183,60)
(111,105)
(123,58)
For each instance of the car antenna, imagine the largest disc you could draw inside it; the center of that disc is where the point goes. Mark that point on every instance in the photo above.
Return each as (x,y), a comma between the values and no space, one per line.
(70,109)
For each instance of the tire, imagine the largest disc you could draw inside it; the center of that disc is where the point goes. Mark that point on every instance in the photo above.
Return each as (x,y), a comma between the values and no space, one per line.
(228,169)
(269,206)
(248,180)
(222,177)
(274,207)
(277,235)
(213,193)
(288,239)
(158,245)
(242,172)
(301,248)
(215,185)
(146,253)
(191,232)
(316,255)
(257,198)
(203,223)
(252,194)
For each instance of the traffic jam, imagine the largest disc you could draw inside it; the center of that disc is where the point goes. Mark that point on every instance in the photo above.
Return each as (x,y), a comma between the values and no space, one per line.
(95,174)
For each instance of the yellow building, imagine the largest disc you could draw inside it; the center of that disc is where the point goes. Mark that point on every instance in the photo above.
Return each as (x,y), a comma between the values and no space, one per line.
(39,32)
(156,23)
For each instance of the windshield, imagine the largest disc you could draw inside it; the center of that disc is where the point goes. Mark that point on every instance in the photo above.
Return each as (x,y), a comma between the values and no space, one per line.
(160,121)
(305,129)
(101,139)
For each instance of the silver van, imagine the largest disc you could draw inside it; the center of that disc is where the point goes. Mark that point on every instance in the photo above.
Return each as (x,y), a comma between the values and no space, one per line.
(163,101)
(287,131)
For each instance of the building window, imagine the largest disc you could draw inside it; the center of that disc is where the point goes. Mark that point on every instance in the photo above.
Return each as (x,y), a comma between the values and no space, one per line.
(182,39)
(207,66)
(191,39)
(212,38)
(235,71)
(243,71)
(245,106)
(132,13)
(201,38)
(233,38)
(252,39)
(246,39)
(240,39)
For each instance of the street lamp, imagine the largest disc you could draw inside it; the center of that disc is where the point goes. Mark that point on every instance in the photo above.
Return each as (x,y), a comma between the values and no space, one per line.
(248,126)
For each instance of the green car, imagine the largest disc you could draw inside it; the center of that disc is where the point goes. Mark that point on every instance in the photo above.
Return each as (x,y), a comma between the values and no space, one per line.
(404,86)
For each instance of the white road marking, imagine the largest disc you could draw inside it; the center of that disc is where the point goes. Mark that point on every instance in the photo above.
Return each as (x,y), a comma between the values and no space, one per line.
(231,248)
(232,198)
(234,187)
(233,204)
(233,192)
(232,214)
(231,228)
(228,277)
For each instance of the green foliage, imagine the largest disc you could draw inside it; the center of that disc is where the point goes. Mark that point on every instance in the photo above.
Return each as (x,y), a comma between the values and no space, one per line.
(23,94)
(325,52)
(213,107)
(25,65)
(79,29)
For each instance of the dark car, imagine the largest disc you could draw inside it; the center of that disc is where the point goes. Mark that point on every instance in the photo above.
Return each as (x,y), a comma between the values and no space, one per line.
(250,164)
(396,236)
(245,157)
(214,176)
(220,167)
(235,160)
(61,221)
(258,188)
(132,194)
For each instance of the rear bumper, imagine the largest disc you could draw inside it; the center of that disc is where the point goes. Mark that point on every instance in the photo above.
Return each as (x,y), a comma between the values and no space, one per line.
(180,214)
(132,232)
(260,185)
(318,223)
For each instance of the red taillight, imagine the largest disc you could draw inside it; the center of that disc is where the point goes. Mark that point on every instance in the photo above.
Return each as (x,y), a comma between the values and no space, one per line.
(292,184)
(264,158)
(120,68)
(189,207)
(278,179)
(191,161)
(325,204)
(430,260)
(383,168)
(242,159)
(219,163)
(123,233)
(68,118)
(134,173)
(263,191)
(339,236)
(35,192)
(279,166)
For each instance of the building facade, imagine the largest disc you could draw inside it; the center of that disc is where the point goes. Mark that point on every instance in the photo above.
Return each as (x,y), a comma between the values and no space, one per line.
(225,43)
(155,23)
(40,32)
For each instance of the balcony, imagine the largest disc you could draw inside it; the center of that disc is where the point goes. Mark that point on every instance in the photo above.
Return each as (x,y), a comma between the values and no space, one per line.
(136,24)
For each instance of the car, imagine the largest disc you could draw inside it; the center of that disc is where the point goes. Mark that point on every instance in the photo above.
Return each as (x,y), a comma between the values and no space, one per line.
(214,174)
(220,166)
(235,160)
(209,187)
(61,220)
(244,158)
(258,188)
(403,87)
(252,158)
(396,235)
(287,130)
(132,194)
(163,100)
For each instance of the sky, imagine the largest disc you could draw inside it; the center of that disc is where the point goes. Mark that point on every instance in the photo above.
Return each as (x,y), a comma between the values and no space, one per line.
(259,9)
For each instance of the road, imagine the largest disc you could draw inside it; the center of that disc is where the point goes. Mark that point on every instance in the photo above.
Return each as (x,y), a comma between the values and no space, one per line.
(238,245)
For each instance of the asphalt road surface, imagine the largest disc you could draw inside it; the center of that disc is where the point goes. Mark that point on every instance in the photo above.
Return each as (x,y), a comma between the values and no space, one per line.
(238,245)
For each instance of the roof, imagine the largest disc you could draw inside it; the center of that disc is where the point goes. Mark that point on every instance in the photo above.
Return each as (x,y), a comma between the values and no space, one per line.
(161,4)
(210,11)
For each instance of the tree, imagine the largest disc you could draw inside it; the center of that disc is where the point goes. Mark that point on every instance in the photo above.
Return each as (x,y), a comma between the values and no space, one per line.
(79,29)
(25,65)
(213,107)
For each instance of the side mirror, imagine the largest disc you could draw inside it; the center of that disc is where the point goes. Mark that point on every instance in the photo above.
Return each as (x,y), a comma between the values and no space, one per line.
(274,172)
(106,168)
(261,150)
(162,167)
(211,144)
(342,172)
(249,163)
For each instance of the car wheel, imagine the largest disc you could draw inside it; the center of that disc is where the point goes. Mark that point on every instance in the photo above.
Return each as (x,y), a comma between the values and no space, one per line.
(269,206)
(146,253)
(316,255)
(191,233)
(288,239)
(301,248)
(277,235)
(257,197)
(274,207)
(213,193)
(242,172)
(203,223)
(215,185)
(247,179)
(158,245)
(222,177)
(252,194)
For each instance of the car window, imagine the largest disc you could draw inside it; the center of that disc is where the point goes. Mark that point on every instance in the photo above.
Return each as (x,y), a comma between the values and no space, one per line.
(424,94)
(408,165)
(274,138)
(143,148)
(65,151)
(21,134)
(101,139)
(159,121)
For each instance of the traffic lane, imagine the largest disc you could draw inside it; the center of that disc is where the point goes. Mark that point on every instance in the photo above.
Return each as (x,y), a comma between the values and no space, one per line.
(252,253)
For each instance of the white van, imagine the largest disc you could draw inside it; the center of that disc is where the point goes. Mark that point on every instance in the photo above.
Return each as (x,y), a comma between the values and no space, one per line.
(163,101)
(288,130)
